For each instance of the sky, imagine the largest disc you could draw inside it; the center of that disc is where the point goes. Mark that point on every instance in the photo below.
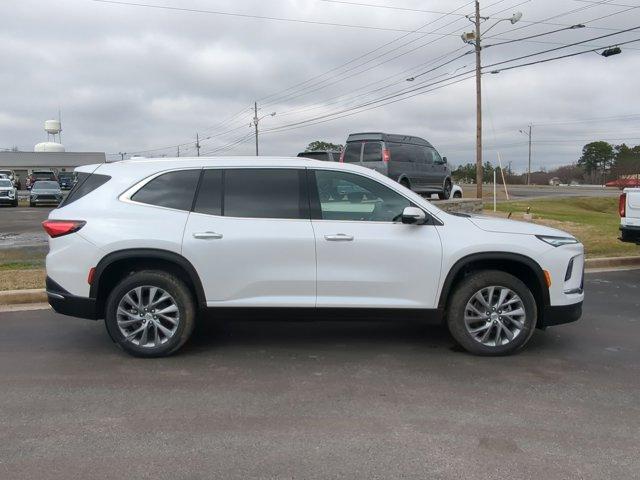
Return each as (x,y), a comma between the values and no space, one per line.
(143,80)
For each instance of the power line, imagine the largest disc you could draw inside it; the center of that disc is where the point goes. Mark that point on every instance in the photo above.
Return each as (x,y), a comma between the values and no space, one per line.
(246,15)
(549,59)
(562,47)
(302,93)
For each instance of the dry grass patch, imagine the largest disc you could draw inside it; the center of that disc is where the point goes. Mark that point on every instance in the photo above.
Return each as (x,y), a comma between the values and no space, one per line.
(22,279)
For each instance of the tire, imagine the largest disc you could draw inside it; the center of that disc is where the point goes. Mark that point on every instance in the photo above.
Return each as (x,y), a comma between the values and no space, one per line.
(463,300)
(31,204)
(15,203)
(446,192)
(457,195)
(179,318)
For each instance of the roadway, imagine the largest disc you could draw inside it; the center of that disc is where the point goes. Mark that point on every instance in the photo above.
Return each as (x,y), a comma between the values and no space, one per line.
(325,400)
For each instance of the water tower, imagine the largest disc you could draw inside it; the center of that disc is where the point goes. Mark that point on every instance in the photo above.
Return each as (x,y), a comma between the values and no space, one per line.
(53,128)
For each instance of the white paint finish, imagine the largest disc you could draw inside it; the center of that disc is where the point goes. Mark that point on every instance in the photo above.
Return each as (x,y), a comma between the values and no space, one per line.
(269,262)
(632,218)
(257,262)
(387,265)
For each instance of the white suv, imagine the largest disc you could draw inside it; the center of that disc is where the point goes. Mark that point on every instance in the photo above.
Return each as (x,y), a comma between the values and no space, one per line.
(147,244)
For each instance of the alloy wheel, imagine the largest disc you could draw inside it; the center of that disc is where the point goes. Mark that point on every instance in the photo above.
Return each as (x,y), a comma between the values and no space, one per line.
(494,316)
(147,316)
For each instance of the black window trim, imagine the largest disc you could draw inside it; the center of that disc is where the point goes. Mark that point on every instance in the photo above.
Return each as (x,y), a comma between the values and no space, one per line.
(316,212)
(131,191)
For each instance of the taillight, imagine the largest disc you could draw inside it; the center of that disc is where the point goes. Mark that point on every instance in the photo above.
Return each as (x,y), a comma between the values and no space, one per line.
(342,156)
(622,205)
(58,228)
(386,155)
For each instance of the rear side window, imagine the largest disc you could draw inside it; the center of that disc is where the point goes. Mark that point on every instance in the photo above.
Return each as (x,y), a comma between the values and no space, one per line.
(87,183)
(170,190)
(372,152)
(402,152)
(265,193)
(209,199)
(352,152)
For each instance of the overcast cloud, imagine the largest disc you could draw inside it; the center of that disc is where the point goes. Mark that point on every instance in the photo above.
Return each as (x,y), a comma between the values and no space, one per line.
(129,78)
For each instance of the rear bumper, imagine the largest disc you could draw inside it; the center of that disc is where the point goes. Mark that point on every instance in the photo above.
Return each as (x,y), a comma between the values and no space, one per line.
(67,304)
(557,315)
(630,233)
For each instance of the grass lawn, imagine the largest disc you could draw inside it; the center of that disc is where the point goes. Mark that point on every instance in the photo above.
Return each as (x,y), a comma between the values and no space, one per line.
(22,268)
(593,220)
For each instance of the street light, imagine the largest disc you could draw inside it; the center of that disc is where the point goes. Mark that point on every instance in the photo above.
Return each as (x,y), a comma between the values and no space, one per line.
(256,121)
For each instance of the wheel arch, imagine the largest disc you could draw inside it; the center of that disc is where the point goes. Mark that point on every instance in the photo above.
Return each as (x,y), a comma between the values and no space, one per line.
(524,268)
(116,265)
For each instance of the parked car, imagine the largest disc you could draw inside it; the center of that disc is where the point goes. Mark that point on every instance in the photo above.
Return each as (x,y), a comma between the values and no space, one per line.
(629,209)
(11,175)
(325,155)
(37,175)
(8,193)
(410,161)
(66,180)
(45,192)
(147,244)
(456,191)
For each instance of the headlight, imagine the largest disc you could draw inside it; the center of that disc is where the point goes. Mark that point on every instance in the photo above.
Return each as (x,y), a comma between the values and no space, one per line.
(557,241)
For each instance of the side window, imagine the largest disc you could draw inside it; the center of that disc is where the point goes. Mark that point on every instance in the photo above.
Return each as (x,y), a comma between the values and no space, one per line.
(348,196)
(437,159)
(428,153)
(372,152)
(265,193)
(401,152)
(171,190)
(352,152)
(209,199)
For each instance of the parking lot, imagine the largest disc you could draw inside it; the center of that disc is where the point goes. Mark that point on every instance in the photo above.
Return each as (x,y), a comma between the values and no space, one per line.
(325,400)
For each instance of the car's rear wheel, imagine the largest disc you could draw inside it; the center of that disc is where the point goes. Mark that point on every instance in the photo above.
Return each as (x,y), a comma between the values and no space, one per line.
(150,314)
(446,191)
(405,183)
(492,313)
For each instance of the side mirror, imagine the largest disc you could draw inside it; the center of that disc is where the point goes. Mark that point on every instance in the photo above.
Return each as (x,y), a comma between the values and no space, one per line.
(444,159)
(413,216)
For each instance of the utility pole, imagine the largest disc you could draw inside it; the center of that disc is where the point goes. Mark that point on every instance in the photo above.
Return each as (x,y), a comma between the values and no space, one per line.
(178,151)
(479,168)
(528,134)
(255,123)
(197,143)
(529,170)
(122,154)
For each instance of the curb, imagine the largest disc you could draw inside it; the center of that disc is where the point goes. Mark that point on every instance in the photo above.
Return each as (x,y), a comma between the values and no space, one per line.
(14,297)
(39,295)
(612,262)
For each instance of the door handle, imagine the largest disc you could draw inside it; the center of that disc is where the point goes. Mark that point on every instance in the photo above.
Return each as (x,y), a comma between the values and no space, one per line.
(339,237)
(207,235)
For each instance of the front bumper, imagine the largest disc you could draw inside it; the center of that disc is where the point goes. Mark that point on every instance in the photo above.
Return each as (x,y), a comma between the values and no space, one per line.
(8,200)
(48,201)
(67,304)
(557,315)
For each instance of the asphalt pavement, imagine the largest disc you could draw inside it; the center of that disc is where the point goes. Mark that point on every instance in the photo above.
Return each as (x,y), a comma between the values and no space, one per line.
(21,226)
(325,400)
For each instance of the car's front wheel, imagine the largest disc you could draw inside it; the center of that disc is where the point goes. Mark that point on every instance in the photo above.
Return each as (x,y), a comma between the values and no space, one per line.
(150,314)
(446,191)
(492,313)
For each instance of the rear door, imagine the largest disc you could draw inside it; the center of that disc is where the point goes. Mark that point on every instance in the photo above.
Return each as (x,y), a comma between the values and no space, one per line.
(372,156)
(250,238)
(353,152)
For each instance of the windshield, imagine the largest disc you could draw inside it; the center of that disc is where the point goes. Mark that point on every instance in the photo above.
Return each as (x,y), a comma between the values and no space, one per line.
(6,183)
(45,186)
(6,172)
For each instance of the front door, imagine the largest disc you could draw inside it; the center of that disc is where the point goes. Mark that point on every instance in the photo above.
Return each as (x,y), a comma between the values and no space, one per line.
(251,240)
(365,256)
